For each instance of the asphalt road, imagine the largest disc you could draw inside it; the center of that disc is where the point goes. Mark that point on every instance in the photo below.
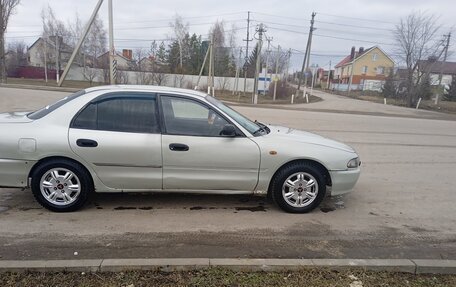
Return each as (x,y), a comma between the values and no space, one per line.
(402,206)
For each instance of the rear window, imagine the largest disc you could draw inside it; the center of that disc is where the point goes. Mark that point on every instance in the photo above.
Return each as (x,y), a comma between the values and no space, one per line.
(38,114)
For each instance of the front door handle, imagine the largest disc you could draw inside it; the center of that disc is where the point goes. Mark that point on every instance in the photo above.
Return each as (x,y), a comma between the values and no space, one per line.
(178,147)
(86,143)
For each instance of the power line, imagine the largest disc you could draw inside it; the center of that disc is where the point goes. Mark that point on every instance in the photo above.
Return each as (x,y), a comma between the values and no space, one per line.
(355,18)
(151,21)
(287,30)
(351,39)
(170,26)
(190,17)
(355,26)
(282,17)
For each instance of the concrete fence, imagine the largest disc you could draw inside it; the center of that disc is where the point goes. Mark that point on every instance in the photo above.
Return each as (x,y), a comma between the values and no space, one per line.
(161,79)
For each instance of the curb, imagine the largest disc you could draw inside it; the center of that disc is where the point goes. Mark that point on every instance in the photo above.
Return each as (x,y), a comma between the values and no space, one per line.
(414,266)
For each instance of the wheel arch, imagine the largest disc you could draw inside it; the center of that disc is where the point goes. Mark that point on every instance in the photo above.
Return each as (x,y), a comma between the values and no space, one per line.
(56,158)
(326,174)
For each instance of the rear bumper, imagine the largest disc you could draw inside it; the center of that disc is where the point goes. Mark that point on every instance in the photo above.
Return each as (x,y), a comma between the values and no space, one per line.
(343,181)
(14,173)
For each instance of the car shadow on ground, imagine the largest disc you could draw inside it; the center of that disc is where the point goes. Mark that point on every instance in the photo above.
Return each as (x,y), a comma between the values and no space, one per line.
(23,200)
(157,201)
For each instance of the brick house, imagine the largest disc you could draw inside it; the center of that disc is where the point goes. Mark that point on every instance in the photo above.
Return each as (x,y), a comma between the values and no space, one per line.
(365,69)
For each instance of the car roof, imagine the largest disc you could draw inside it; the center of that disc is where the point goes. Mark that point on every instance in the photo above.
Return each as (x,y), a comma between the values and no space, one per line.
(147,88)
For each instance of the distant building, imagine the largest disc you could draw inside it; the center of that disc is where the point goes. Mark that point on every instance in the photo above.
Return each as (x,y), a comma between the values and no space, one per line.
(54,47)
(150,64)
(436,68)
(322,77)
(124,61)
(363,70)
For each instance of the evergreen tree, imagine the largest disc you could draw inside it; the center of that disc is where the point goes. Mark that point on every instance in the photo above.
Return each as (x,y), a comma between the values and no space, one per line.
(389,89)
(251,62)
(196,54)
(161,53)
(172,57)
(425,91)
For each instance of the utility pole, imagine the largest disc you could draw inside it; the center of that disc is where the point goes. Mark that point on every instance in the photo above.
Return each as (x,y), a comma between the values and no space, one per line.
(112,51)
(329,75)
(276,72)
(445,55)
(202,68)
(247,50)
(45,60)
(78,45)
(288,66)
(260,29)
(209,74)
(238,67)
(314,70)
(57,58)
(305,63)
(268,52)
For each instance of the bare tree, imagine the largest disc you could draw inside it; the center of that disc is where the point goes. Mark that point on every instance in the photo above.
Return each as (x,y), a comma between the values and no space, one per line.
(180,30)
(122,77)
(217,34)
(416,40)
(17,56)
(143,77)
(6,9)
(54,35)
(179,80)
(223,82)
(282,61)
(160,78)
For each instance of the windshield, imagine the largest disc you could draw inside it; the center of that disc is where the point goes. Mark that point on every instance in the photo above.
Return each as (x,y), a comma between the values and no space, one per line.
(252,127)
(38,114)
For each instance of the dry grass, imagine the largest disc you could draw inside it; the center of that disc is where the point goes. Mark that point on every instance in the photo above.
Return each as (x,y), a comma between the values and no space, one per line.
(223,277)
(247,99)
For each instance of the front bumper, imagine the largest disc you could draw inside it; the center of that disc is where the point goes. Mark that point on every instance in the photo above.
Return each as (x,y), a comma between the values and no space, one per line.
(343,181)
(14,173)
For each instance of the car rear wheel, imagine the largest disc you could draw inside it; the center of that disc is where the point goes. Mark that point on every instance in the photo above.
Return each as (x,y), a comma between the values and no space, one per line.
(299,187)
(61,185)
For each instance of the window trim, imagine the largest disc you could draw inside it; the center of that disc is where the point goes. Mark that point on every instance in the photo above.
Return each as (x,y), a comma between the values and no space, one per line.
(121,95)
(239,132)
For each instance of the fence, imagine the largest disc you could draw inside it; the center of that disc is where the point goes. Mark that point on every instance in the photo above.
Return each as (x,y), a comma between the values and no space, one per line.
(161,79)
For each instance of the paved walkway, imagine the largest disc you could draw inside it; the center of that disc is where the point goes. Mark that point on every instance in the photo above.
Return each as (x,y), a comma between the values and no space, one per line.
(341,104)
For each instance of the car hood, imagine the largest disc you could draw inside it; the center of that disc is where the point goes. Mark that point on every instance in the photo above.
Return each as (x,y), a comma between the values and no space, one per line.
(290,134)
(14,117)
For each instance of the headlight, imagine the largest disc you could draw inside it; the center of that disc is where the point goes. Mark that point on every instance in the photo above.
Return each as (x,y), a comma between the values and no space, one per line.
(353,163)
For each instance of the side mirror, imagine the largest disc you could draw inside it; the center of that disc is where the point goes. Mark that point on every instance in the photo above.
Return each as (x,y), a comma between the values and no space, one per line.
(228,131)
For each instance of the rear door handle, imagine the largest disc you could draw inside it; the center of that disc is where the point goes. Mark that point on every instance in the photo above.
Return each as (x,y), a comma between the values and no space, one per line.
(178,147)
(86,143)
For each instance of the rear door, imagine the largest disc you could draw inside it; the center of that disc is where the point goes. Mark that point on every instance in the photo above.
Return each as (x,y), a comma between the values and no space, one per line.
(119,136)
(195,155)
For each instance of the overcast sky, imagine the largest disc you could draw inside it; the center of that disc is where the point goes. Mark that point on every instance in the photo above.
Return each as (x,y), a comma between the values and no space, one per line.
(340,24)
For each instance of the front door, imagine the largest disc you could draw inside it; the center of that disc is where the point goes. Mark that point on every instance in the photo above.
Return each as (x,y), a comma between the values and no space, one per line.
(119,136)
(195,155)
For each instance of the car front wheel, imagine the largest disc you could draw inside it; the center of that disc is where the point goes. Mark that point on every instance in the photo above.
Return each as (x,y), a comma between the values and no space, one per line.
(61,185)
(299,187)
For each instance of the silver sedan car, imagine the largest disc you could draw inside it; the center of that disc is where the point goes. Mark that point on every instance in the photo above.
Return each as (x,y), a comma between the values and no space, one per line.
(157,139)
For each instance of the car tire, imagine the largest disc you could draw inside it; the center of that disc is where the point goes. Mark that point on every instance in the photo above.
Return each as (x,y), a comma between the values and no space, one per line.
(304,190)
(61,185)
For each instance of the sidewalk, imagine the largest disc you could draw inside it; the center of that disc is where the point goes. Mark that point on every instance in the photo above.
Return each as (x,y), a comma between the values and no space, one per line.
(414,266)
(341,104)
